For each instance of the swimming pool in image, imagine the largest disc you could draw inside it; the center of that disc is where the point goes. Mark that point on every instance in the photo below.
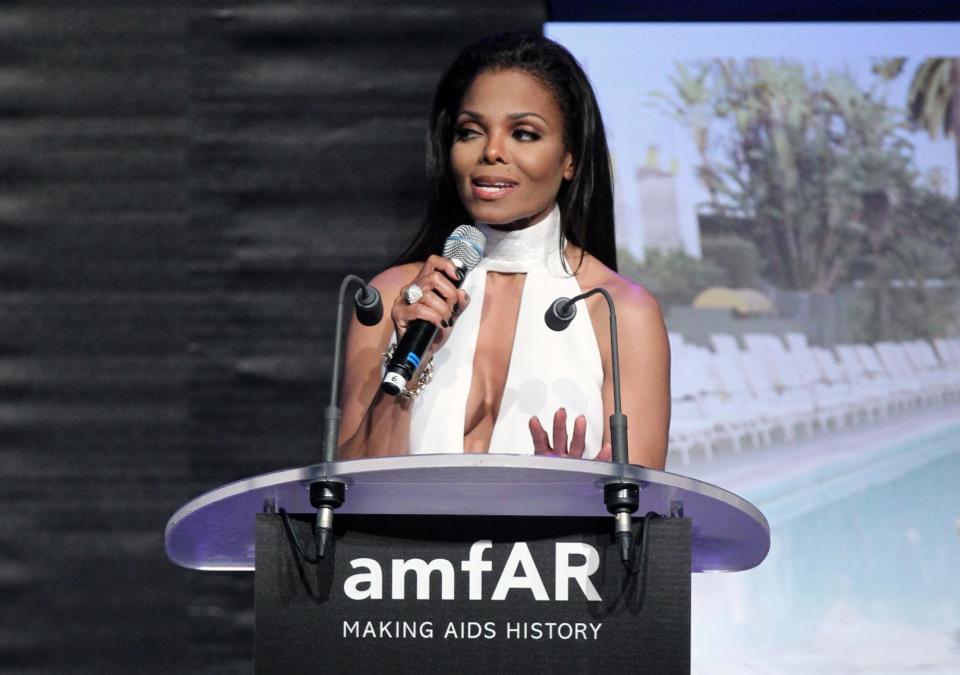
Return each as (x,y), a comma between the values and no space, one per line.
(863,574)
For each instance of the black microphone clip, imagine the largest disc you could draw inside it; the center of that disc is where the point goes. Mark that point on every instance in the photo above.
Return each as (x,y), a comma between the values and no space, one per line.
(369,306)
(560,314)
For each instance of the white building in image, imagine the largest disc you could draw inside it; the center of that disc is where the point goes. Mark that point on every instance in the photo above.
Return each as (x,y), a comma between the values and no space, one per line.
(649,209)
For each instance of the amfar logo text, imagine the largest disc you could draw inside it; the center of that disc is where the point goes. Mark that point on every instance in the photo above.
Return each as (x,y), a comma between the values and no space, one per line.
(519,572)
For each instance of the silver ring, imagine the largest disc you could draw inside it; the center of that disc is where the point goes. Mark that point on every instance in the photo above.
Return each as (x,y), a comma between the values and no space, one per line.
(413,294)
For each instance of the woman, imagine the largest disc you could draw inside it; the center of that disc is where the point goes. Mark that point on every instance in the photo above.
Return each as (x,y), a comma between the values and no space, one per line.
(516,146)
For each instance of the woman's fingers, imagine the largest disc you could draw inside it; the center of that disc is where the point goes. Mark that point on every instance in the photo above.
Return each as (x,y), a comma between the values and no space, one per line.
(436,283)
(560,431)
(445,265)
(559,447)
(541,444)
(420,310)
(606,453)
(437,275)
(437,304)
(579,440)
(440,301)
(437,292)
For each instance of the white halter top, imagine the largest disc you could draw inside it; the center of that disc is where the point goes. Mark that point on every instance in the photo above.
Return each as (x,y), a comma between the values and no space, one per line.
(548,370)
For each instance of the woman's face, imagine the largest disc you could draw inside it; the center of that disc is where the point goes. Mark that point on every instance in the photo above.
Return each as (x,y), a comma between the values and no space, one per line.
(508,155)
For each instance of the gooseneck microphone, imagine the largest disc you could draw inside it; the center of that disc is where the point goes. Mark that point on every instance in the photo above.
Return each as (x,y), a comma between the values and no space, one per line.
(464,247)
(327,495)
(369,310)
(622,498)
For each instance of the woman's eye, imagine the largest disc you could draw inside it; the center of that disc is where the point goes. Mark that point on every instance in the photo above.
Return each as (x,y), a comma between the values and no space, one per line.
(464,133)
(526,135)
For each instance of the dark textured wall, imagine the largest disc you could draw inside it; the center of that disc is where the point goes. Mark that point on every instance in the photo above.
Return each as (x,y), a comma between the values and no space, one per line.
(183,185)
(94,303)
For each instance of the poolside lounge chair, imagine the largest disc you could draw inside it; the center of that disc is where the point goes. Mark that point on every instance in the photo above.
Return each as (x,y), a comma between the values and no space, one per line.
(690,428)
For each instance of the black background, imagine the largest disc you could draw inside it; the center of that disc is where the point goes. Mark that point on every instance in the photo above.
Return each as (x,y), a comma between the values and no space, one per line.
(183,186)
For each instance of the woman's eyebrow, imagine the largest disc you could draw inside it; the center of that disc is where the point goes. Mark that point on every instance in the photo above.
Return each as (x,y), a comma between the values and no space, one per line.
(512,116)
(521,115)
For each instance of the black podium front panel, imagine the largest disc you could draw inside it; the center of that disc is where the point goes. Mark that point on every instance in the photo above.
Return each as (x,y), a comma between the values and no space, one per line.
(500,594)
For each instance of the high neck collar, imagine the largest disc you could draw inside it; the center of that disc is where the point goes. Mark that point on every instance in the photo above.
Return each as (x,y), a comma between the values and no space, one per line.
(522,250)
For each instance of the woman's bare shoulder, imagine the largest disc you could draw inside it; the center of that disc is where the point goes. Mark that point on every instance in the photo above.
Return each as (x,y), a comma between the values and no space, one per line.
(391,280)
(633,301)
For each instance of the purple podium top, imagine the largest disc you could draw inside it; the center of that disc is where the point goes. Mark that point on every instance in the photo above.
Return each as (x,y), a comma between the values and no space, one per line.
(215,531)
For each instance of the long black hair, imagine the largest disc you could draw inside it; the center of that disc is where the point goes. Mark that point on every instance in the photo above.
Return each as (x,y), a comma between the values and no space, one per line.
(586,201)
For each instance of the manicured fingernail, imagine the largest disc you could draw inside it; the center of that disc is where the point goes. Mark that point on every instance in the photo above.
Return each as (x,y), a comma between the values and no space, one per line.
(445,324)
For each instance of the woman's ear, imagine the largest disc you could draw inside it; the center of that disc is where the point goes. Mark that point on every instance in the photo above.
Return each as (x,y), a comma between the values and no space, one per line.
(568,167)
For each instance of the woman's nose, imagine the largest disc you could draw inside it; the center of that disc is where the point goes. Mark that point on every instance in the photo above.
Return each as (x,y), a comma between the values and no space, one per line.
(494,151)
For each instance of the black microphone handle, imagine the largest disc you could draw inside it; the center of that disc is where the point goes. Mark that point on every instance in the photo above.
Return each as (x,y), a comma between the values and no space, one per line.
(414,342)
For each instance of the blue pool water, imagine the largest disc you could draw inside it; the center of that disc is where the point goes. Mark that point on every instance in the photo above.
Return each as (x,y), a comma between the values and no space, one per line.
(863,573)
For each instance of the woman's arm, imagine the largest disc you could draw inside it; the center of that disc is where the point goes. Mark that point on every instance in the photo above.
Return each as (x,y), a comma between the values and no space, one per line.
(373,423)
(644,375)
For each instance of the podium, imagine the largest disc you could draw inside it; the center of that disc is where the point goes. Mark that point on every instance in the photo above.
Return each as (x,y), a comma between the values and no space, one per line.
(473,563)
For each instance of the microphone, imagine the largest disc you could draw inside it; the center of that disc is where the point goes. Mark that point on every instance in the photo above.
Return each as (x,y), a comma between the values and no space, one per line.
(369,306)
(621,498)
(560,314)
(327,495)
(464,247)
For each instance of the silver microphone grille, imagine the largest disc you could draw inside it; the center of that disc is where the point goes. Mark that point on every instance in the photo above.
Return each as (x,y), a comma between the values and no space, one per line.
(466,244)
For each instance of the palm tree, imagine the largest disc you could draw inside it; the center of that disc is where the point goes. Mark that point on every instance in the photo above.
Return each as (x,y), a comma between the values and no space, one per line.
(934,101)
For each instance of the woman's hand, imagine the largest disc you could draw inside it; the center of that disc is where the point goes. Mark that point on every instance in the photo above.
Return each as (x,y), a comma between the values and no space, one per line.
(441,302)
(560,447)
